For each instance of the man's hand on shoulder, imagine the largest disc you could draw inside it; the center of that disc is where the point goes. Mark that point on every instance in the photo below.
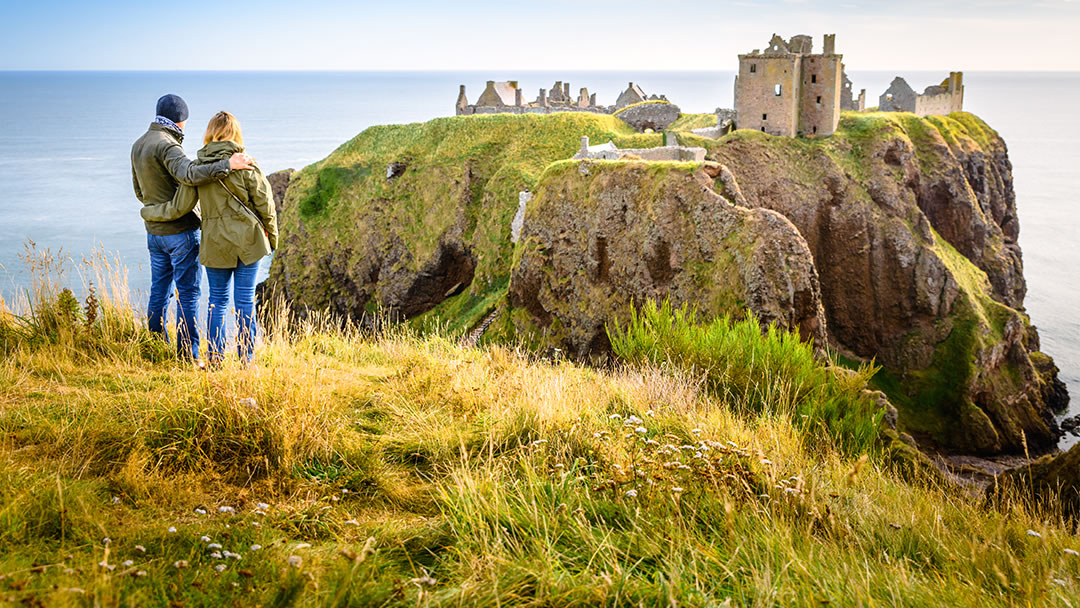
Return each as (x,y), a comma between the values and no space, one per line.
(240,161)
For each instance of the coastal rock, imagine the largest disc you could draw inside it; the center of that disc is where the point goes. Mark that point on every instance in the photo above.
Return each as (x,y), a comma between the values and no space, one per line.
(279,184)
(656,116)
(404,218)
(893,239)
(1052,479)
(601,236)
(912,226)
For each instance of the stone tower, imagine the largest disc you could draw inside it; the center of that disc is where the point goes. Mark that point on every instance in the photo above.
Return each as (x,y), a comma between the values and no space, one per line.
(788,90)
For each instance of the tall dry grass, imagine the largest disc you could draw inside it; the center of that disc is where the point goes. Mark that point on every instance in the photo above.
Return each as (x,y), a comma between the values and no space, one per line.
(347,469)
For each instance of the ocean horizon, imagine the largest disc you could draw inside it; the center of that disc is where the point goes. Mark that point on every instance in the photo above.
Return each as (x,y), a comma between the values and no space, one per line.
(65,139)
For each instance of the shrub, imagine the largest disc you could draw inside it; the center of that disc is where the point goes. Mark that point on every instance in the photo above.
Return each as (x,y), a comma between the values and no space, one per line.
(756,371)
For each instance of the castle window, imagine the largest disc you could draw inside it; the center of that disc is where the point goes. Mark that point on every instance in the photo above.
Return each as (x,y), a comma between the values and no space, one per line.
(813,78)
(753,68)
(776,90)
(815,130)
(819,100)
(764,117)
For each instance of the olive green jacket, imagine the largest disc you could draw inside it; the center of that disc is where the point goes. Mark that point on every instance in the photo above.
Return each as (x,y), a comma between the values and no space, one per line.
(159,166)
(232,231)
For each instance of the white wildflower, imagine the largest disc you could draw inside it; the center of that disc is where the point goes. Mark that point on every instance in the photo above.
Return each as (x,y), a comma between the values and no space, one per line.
(1059,582)
(596,435)
(295,561)
(249,402)
(255,524)
(220,567)
(634,420)
(1071,552)
(766,461)
(106,565)
(351,522)
(687,447)
(676,489)
(255,547)
(106,540)
(652,442)
(204,539)
(614,417)
(213,546)
(183,563)
(1034,533)
(115,500)
(215,555)
(423,580)
(539,442)
(128,563)
(231,555)
(649,413)
(172,530)
(262,506)
(226,509)
(200,511)
(641,430)
(140,548)
(259,512)
(302,546)
(631,493)
(695,431)
(139,574)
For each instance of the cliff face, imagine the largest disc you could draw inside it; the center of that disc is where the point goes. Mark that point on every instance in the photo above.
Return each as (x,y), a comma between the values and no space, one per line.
(600,236)
(912,224)
(894,239)
(403,218)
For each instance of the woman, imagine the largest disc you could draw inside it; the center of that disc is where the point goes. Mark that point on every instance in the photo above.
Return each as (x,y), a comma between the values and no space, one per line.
(239,228)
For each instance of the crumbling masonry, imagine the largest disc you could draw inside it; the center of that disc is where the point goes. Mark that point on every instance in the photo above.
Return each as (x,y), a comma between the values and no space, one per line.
(507,98)
(941,99)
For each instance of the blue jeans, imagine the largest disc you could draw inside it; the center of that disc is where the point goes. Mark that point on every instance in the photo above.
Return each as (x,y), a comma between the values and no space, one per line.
(243,279)
(175,259)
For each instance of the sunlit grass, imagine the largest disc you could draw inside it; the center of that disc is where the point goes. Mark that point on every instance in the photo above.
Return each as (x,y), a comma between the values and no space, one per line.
(349,469)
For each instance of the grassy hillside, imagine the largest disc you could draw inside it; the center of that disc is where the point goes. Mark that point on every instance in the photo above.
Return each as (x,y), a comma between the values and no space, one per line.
(403,471)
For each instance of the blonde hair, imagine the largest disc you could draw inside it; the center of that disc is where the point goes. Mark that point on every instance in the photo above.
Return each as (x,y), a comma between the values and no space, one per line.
(223,127)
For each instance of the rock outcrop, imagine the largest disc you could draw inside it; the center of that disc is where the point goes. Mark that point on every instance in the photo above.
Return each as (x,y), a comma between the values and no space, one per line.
(1052,479)
(404,218)
(600,235)
(895,240)
(651,115)
(912,225)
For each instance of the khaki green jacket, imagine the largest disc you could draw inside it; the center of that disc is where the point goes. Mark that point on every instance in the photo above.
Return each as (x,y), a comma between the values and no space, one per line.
(159,166)
(232,231)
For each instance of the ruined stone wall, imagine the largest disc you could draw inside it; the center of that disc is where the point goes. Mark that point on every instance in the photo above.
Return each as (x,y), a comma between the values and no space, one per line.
(757,105)
(819,97)
(941,104)
(475,109)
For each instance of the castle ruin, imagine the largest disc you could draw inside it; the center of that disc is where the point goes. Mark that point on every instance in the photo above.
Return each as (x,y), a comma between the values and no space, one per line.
(506,98)
(940,99)
(788,90)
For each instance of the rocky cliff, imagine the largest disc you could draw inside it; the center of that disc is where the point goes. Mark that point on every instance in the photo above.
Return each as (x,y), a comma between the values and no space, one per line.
(602,235)
(894,239)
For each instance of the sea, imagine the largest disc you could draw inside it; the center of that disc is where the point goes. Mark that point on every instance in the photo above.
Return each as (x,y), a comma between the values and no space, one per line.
(65,138)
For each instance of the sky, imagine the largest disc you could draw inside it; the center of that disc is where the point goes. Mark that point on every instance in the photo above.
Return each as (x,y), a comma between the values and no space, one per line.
(972,35)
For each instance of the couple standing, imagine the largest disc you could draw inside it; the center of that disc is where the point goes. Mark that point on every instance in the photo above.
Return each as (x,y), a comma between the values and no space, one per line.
(238,222)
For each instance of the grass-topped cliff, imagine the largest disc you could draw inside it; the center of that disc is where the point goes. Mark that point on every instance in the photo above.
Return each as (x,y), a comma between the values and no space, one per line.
(406,470)
(907,227)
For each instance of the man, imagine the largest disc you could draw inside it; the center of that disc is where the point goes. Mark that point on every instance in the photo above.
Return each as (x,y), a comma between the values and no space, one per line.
(158,166)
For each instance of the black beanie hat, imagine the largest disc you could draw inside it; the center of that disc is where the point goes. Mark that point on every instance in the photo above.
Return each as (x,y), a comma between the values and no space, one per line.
(172,107)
